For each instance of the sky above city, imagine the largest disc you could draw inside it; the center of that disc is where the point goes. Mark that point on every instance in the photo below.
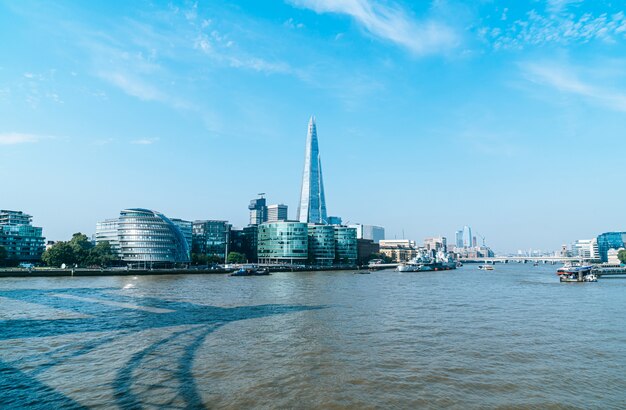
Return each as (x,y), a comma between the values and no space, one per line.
(507,116)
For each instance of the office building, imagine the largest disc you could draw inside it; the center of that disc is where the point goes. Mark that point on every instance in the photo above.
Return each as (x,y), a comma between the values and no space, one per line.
(371,232)
(22,241)
(258,211)
(458,239)
(365,248)
(467,237)
(399,250)
(438,243)
(586,249)
(334,220)
(312,207)
(345,245)
(186,227)
(251,242)
(211,237)
(283,242)
(610,240)
(321,244)
(145,236)
(106,231)
(277,212)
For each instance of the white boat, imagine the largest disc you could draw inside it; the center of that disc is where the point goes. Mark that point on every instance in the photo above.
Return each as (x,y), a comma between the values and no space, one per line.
(485,267)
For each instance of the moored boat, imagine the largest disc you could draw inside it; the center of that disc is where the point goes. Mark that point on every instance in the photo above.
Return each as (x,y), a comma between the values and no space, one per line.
(576,273)
(251,270)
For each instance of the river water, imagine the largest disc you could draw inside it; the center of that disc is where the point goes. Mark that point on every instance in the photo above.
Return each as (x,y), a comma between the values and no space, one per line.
(512,337)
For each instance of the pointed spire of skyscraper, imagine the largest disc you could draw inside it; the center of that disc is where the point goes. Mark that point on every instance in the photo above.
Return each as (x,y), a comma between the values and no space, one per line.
(312,207)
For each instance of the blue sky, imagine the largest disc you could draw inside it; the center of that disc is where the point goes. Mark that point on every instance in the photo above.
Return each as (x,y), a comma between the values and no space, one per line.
(507,116)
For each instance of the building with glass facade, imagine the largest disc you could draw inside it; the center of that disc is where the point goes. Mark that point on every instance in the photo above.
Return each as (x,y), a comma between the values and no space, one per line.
(146,236)
(22,241)
(283,242)
(106,231)
(258,211)
(312,207)
(610,240)
(371,232)
(211,237)
(251,242)
(321,244)
(186,228)
(345,245)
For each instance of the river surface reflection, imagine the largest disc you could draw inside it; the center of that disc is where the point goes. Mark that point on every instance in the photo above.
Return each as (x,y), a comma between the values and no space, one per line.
(514,336)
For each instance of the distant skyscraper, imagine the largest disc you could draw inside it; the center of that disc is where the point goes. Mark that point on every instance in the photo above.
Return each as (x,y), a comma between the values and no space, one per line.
(467,237)
(276,213)
(312,207)
(258,211)
(459,239)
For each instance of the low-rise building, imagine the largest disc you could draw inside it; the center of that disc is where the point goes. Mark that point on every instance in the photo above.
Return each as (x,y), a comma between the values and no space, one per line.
(399,250)
(321,244)
(22,241)
(283,242)
(211,237)
(365,249)
(345,245)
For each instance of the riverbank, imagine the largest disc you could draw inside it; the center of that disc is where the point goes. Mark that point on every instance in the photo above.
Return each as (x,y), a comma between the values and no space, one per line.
(52,272)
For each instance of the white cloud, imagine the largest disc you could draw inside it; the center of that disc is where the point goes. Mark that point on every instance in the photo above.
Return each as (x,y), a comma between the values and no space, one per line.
(557,6)
(390,22)
(144,141)
(567,79)
(555,28)
(12,138)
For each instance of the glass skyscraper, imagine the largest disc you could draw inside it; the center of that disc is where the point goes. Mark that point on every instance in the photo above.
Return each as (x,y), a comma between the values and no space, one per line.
(312,207)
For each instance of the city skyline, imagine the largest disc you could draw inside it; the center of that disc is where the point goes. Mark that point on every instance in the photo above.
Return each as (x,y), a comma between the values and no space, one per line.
(435,115)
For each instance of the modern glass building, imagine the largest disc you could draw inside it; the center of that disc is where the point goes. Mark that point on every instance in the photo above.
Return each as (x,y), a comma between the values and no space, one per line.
(106,231)
(345,245)
(211,237)
(610,240)
(371,232)
(186,227)
(467,237)
(312,207)
(258,211)
(321,244)
(251,242)
(22,241)
(283,242)
(146,236)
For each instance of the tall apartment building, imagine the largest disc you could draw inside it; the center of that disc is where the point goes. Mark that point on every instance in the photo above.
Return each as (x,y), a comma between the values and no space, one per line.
(22,241)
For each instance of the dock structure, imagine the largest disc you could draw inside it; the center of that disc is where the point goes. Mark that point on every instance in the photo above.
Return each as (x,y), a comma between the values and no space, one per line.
(600,271)
(526,259)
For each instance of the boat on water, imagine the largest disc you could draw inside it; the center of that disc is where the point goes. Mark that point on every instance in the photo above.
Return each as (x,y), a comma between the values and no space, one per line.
(576,273)
(485,267)
(251,270)
(427,262)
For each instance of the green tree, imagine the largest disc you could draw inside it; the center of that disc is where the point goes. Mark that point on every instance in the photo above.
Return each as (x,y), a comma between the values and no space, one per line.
(101,255)
(3,255)
(622,255)
(58,254)
(81,246)
(199,259)
(236,257)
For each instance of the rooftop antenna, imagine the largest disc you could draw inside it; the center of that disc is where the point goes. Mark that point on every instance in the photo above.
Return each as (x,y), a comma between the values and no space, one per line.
(261,194)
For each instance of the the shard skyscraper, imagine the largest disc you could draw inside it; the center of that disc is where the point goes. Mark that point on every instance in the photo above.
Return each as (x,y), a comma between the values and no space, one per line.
(312,207)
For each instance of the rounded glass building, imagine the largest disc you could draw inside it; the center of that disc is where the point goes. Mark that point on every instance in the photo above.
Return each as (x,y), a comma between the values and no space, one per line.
(149,236)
